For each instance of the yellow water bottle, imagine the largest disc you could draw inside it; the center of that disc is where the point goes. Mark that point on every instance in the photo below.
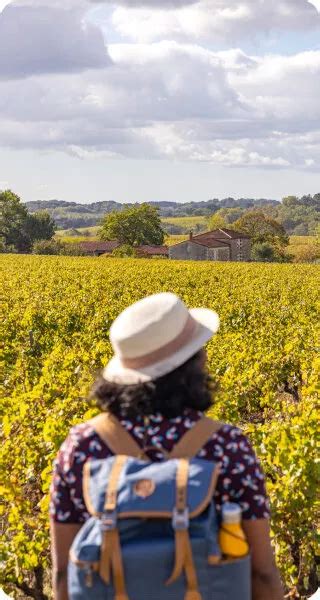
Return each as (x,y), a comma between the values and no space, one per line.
(232,541)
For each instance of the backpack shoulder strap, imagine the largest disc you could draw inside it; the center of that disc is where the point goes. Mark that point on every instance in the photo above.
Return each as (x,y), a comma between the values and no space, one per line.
(110,430)
(120,441)
(197,437)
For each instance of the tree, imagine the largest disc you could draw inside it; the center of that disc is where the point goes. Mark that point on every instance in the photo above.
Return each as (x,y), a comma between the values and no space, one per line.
(262,228)
(309,201)
(133,226)
(225,217)
(316,199)
(290,201)
(232,214)
(18,228)
(40,226)
(13,219)
(217,221)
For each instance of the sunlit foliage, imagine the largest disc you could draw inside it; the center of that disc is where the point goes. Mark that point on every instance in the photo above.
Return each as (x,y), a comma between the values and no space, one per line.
(58,312)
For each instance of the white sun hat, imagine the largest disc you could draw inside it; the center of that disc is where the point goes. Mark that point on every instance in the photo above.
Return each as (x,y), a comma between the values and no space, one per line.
(155,336)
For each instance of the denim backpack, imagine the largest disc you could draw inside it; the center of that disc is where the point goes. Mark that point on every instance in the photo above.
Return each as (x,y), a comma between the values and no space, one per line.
(153,530)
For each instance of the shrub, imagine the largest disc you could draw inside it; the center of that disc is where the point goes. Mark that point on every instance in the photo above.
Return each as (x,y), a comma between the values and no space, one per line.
(308,253)
(266,252)
(263,252)
(72,249)
(47,247)
(124,251)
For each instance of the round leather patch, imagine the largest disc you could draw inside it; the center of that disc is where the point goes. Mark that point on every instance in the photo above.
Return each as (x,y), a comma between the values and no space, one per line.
(144,488)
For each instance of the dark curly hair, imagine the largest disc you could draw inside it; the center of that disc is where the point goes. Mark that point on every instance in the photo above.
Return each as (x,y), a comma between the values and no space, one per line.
(188,386)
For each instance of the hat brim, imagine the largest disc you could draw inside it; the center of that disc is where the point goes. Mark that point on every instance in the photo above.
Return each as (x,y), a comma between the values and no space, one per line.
(207,326)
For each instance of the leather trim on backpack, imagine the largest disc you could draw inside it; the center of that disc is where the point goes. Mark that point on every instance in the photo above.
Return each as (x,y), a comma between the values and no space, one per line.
(168,514)
(195,438)
(82,564)
(184,559)
(116,437)
(145,514)
(120,441)
(86,492)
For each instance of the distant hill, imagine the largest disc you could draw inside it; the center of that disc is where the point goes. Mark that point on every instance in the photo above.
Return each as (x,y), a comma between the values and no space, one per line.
(69,215)
(299,216)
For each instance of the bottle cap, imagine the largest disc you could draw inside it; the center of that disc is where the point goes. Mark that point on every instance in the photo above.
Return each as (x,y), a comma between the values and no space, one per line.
(231,512)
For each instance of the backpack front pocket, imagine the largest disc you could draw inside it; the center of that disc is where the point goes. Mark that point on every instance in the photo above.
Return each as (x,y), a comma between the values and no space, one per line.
(231,579)
(84,581)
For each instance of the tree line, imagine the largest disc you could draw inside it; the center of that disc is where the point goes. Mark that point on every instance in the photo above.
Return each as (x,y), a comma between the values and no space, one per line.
(21,231)
(298,215)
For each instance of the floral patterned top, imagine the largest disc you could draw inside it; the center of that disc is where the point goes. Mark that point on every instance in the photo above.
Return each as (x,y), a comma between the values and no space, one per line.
(241,479)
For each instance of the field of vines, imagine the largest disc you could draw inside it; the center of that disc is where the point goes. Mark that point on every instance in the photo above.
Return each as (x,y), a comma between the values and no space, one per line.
(57,315)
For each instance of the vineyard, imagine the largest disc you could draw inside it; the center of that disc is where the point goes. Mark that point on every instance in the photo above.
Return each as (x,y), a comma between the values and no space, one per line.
(58,311)
(187,223)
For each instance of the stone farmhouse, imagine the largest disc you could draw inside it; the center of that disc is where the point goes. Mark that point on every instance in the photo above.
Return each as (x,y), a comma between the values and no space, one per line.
(220,245)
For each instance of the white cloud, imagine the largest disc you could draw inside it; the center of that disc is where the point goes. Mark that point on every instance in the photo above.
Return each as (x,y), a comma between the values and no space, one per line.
(286,87)
(175,101)
(172,99)
(275,150)
(164,82)
(315,3)
(44,37)
(150,3)
(214,19)
(217,4)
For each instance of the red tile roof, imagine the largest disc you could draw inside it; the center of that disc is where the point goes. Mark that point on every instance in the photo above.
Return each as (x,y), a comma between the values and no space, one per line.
(108,247)
(93,247)
(222,234)
(153,250)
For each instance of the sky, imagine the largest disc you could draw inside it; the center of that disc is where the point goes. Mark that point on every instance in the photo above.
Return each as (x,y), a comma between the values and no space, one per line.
(141,100)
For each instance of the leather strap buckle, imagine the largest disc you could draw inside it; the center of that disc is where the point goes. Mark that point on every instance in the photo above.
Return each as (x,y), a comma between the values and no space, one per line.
(180,519)
(108,520)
